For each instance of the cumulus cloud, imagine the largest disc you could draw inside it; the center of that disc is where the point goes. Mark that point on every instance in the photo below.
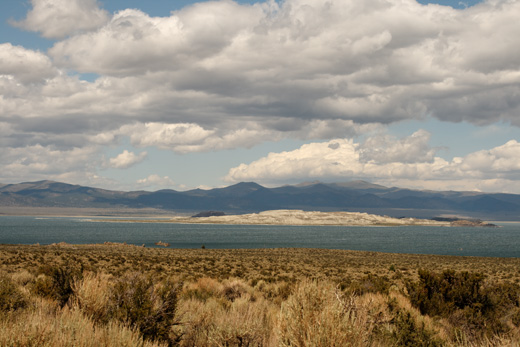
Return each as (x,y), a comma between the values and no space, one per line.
(18,64)
(387,149)
(220,75)
(140,43)
(155,181)
(190,137)
(56,19)
(222,64)
(126,159)
(47,162)
(343,159)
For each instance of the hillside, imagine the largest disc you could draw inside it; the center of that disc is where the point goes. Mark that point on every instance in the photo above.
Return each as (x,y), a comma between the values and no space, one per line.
(249,197)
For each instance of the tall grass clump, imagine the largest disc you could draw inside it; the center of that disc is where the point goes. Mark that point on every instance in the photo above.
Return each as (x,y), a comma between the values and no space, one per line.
(92,296)
(228,313)
(317,314)
(44,326)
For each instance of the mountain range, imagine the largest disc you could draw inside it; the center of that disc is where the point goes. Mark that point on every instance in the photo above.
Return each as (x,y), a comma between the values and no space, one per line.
(247,197)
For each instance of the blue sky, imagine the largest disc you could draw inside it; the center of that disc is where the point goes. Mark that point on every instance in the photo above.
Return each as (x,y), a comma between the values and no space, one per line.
(184,94)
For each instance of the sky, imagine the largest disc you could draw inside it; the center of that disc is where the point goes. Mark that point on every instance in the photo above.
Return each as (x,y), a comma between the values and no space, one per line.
(148,95)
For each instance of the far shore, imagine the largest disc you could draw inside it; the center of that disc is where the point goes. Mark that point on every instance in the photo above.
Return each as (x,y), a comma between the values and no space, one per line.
(88,212)
(272,217)
(297,217)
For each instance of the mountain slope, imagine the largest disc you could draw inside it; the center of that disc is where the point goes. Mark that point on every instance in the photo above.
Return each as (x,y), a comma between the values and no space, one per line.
(251,197)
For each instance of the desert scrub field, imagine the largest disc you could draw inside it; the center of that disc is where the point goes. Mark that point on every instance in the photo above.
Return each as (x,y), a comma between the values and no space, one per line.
(124,295)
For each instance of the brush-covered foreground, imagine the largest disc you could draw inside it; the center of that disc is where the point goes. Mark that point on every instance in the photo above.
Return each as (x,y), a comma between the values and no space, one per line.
(122,295)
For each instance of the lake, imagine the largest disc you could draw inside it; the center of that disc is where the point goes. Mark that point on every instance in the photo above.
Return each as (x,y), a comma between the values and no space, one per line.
(465,241)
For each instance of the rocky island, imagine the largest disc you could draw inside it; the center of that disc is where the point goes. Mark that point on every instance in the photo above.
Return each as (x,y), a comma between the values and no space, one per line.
(299,217)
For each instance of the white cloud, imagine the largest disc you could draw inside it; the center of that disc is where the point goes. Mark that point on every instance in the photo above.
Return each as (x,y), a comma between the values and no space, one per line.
(221,64)
(56,19)
(126,159)
(155,181)
(190,137)
(219,75)
(46,162)
(503,160)
(387,149)
(140,43)
(166,136)
(23,65)
(336,158)
(300,60)
(343,159)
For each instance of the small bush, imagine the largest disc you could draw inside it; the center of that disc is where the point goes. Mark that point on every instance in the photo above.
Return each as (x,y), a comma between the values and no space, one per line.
(22,278)
(92,296)
(203,289)
(407,332)
(239,323)
(56,281)
(370,284)
(11,298)
(46,327)
(464,300)
(316,314)
(232,290)
(147,307)
(441,294)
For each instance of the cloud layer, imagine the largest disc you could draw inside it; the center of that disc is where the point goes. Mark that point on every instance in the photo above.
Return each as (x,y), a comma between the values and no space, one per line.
(56,19)
(221,75)
(409,162)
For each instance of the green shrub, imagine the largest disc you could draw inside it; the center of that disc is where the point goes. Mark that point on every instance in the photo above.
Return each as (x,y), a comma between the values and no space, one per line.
(11,298)
(370,283)
(465,300)
(439,294)
(408,333)
(56,281)
(147,307)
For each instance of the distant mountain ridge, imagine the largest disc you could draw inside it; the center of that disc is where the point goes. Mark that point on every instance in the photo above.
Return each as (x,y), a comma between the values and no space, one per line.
(247,197)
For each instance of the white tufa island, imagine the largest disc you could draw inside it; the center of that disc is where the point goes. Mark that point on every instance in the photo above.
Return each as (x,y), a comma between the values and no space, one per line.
(299,217)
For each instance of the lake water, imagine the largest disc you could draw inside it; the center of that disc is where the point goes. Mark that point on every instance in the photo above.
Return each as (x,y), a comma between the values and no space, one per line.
(489,242)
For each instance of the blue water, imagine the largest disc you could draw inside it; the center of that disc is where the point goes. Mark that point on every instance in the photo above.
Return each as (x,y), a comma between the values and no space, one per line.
(489,242)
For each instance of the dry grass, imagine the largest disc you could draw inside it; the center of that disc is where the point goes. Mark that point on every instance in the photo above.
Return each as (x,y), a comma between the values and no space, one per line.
(45,325)
(134,296)
(254,265)
(317,314)
(92,296)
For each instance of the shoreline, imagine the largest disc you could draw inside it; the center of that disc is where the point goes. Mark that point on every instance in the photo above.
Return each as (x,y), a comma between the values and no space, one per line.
(270,217)
(310,218)
(293,218)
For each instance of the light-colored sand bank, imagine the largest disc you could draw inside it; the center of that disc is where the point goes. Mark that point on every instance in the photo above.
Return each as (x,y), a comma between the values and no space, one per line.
(298,217)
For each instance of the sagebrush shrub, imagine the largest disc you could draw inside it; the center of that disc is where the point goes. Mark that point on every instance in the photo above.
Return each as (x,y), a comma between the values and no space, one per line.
(406,331)
(11,298)
(56,281)
(227,313)
(465,300)
(370,283)
(92,296)
(317,314)
(443,293)
(147,307)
